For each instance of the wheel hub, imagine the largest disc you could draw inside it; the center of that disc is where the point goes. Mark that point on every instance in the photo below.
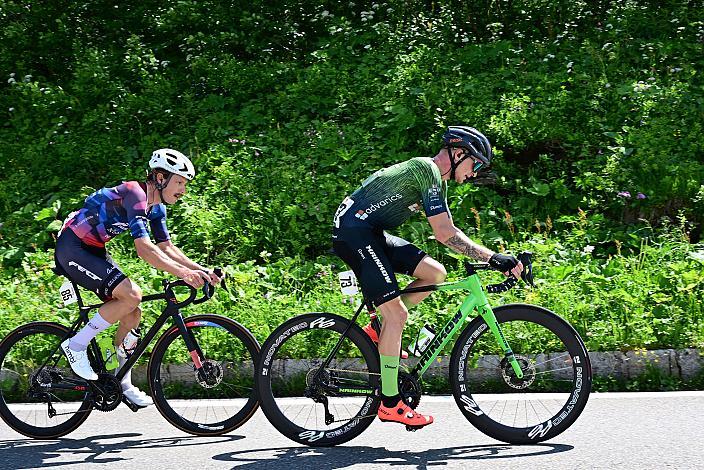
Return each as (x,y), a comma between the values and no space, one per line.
(210,375)
(509,376)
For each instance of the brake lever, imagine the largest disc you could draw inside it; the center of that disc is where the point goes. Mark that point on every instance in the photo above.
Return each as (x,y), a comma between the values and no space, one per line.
(209,289)
(218,272)
(527,275)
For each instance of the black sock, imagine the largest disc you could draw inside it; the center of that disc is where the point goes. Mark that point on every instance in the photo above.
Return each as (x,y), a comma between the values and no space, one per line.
(390,401)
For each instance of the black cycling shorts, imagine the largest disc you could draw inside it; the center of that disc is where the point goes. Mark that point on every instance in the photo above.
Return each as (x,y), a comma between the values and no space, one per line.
(375,256)
(88,266)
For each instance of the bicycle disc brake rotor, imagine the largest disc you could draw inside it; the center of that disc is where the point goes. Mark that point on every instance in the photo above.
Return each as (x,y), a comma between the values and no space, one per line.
(210,375)
(107,392)
(509,376)
(409,388)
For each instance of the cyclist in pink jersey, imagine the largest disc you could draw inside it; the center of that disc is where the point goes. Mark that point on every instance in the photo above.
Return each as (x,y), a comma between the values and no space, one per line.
(81,255)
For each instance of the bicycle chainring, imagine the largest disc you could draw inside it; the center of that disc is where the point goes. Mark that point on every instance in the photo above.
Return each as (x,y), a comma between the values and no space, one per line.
(509,376)
(107,392)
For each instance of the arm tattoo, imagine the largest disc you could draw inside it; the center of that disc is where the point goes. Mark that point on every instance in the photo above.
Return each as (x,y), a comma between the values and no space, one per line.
(468,248)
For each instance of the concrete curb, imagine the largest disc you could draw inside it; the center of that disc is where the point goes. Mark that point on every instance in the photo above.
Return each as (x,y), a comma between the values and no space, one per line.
(682,364)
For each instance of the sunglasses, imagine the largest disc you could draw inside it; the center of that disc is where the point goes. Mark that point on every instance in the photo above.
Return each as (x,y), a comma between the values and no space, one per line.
(478,164)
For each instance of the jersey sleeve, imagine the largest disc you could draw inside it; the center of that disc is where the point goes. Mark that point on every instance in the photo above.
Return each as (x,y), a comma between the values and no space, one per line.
(134,200)
(431,187)
(157,222)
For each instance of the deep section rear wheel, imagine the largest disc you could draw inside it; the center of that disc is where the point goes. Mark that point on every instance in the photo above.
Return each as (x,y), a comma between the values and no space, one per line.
(314,404)
(556,378)
(219,398)
(40,396)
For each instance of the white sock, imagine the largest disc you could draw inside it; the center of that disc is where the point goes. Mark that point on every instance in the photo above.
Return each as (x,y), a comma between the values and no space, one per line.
(88,332)
(127,379)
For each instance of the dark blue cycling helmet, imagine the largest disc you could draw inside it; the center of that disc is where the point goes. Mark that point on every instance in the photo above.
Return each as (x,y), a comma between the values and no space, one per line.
(470,139)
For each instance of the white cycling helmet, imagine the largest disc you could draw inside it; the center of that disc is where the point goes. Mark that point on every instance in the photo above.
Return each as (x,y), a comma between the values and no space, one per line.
(174,162)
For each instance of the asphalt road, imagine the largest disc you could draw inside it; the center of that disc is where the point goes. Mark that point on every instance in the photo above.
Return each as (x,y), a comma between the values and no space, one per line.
(616,431)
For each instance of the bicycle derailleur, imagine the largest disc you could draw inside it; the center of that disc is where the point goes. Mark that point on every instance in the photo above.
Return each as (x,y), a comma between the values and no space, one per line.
(316,381)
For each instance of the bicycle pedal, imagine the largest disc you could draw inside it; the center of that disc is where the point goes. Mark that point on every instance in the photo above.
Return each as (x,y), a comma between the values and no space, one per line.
(132,406)
(412,428)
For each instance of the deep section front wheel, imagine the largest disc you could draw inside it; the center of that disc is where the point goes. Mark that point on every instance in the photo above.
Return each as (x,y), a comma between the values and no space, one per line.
(40,396)
(556,378)
(220,396)
(312,402)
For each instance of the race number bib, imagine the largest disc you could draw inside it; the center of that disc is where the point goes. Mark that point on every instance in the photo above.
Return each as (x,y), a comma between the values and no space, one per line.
(344,207)
(348,283)
(68,295)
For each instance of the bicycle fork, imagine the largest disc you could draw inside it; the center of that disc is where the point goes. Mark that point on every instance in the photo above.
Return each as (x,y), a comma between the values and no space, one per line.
(191,344)
(490,319)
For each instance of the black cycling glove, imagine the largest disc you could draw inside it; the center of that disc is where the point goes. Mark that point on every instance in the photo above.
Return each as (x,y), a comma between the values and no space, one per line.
(503,263)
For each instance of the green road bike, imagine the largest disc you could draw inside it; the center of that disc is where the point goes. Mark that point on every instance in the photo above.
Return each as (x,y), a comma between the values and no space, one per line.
(200,371)
(519,373)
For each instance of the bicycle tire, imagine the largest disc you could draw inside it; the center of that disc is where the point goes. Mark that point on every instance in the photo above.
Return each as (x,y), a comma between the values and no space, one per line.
(573,381)
(332,326)
(232,391)
(11,379)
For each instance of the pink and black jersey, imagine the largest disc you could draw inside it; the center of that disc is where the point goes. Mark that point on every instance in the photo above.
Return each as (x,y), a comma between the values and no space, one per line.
(111,211)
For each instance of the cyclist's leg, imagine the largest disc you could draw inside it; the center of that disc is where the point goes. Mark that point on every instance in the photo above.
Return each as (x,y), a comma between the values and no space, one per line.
(125,298)
(428,272)
(124,307)
(365,251)
(128,323)
(408,259)
(394,314)
(392,407)
(126,338)
(89,268)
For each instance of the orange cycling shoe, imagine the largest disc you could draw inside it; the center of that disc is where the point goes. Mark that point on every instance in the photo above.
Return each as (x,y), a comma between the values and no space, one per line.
(404,414)
(369,330)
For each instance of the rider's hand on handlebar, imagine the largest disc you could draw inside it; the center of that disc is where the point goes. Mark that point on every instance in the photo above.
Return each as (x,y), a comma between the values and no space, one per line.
(194,277)
(506,264)
(213,278)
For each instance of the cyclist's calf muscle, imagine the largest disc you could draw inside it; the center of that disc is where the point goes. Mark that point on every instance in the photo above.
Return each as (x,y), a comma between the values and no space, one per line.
(394,315)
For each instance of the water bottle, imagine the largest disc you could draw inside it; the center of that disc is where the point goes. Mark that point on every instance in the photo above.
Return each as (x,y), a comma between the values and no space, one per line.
(107,349)
(425,336)
(129,344)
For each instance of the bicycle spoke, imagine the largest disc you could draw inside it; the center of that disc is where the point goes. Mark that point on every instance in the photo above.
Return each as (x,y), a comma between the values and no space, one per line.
(545,390)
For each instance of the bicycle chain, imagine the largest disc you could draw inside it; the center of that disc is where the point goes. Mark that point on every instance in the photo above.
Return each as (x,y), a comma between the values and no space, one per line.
(354,371)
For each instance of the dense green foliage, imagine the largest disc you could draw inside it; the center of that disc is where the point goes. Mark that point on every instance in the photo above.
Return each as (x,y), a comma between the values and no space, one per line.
(286,106)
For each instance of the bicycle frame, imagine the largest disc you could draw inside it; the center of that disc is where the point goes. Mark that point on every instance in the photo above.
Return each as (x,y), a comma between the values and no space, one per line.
(171,310)
(476,300)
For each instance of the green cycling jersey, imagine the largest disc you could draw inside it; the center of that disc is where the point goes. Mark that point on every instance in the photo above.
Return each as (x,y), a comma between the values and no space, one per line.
(391,195)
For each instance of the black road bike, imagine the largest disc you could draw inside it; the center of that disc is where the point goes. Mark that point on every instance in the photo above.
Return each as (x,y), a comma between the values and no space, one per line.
(519,373)
(200,371)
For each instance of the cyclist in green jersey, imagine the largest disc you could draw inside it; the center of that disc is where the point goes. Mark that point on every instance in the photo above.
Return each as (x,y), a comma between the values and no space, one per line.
(384,201)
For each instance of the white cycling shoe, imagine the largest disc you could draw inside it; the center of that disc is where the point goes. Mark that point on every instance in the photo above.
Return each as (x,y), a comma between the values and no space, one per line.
(137,397)
(78,360)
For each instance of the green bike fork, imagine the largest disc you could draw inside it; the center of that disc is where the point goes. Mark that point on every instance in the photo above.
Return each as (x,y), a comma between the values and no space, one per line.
(490,319)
